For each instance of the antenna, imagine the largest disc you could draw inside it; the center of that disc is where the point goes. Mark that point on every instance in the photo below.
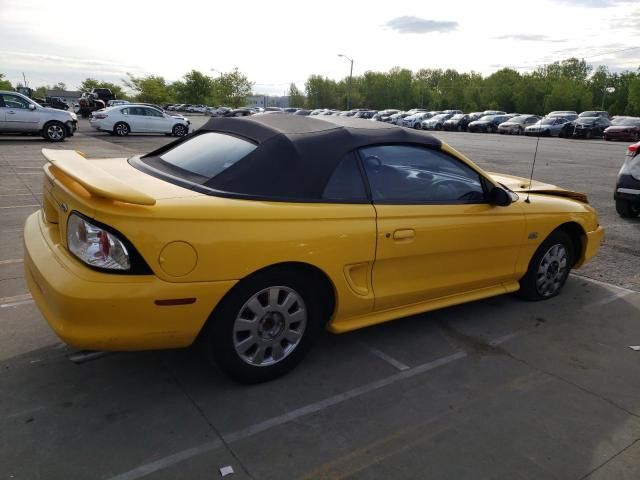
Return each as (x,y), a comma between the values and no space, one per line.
(533,165)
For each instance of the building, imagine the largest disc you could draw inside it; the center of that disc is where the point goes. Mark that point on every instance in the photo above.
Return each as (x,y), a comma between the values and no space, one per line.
(263,101)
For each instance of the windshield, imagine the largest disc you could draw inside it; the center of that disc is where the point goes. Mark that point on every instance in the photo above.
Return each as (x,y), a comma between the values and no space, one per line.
(487,118)
(547,121)
(586,120)
(628,122)
(442,116)
(588,114)
(519,119)
(458,116)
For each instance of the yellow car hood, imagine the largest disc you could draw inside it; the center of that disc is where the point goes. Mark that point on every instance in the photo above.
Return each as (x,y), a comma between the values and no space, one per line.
(520,184)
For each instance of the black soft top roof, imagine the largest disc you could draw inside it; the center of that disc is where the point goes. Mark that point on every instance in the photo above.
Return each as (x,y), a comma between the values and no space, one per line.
(295,155)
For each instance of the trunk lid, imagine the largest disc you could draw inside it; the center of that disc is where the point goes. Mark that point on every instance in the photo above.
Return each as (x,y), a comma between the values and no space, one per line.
(72,182)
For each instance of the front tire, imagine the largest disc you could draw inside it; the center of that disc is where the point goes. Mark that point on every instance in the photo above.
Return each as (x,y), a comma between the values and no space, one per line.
(626,209)
(179,130)
(265,326)
(54,132)
(121,129)
(549,268)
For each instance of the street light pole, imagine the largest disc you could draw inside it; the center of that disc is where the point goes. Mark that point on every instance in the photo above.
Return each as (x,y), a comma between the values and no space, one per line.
(350,77)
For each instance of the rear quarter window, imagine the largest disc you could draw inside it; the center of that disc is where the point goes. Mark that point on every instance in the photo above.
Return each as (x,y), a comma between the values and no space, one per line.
(208,154)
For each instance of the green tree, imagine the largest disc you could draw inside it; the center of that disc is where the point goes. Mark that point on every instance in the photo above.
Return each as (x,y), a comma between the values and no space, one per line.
(231,89)
(633,103)
(149,89)
(296,98)
(321,92)
(195,88)
(5,84)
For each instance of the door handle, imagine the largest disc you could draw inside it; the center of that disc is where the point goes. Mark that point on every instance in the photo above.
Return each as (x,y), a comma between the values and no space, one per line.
(11,113)
(404,234)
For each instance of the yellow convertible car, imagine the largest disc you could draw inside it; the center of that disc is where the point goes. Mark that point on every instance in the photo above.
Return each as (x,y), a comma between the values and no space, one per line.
(251,235)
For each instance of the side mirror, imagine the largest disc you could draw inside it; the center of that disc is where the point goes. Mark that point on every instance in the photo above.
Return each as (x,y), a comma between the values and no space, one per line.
(32,106)
(499,197)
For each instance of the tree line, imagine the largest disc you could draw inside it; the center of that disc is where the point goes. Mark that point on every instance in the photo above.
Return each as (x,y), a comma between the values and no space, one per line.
(570,84)
(230,88)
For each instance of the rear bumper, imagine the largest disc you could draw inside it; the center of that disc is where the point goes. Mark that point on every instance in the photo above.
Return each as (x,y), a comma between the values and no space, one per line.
(627,188)
(98,311)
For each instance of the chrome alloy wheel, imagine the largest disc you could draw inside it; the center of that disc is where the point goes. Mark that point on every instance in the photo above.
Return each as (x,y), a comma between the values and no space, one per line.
(54,132)
(551,270)
(122,130)
(270,326)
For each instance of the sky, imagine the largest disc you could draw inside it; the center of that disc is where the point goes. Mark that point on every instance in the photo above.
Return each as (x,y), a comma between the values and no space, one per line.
(277,42)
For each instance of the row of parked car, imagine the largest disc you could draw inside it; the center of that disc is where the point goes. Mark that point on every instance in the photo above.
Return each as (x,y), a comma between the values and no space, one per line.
(588,124)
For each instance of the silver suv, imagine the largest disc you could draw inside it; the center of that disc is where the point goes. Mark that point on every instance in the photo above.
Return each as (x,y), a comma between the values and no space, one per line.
(20,114)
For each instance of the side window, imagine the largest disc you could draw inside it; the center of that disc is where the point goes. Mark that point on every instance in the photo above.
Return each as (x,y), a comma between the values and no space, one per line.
(136,111)
(125,111)
(346,185)
(13,101)
(414,175)
(152,112)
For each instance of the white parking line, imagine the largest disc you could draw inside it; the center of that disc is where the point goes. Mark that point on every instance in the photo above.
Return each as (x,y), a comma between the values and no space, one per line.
(149,468)
(10,261)
(6,302)
(21,206)
(25,412)
(603,284)
(616,292)
(387,358)
(608,299)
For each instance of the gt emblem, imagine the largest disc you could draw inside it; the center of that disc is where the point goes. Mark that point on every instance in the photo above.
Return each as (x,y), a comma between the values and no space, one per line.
(63,207)
(533,235)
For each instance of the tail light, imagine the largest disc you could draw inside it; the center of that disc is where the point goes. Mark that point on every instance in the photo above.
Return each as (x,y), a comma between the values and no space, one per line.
(100,116)
(631,164)
(95,246)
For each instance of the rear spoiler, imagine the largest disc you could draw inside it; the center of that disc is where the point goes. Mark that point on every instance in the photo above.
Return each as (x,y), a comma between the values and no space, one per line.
(95,180)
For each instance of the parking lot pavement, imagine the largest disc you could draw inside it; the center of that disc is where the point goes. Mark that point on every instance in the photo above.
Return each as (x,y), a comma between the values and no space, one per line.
(499,388)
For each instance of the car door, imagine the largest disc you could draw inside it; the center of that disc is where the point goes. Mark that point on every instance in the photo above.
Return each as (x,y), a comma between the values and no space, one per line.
(137,120)
(602,123)
(437,234)
(156,121)
(17,116)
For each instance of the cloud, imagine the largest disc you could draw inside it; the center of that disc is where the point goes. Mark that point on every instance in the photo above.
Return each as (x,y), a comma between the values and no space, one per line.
(592,3)
(631,21)
(409,24)
(529,37)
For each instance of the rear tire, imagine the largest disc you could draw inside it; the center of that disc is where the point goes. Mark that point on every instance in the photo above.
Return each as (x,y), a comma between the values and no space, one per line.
(54,132)
(626,209)
(549,268)
(417,126)
(259,320)
(121,129)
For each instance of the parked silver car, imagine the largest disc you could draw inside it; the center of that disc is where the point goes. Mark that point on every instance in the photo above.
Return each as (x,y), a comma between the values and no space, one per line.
(549,127)
(20,114)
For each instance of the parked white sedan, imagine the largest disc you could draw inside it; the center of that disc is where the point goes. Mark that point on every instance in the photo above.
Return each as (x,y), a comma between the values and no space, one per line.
(128,119)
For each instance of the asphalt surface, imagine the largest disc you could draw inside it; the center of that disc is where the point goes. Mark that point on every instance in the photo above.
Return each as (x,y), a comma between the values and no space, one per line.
(495,389)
